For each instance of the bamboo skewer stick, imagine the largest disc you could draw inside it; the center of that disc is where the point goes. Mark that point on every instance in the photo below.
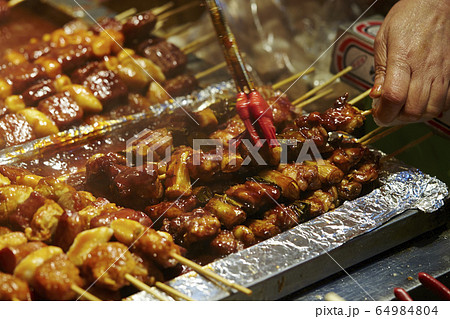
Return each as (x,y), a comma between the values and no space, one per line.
(208,273)
(407,146)
(13,3)
(359,97)
(178,30)
(166,15)
(367,112)
(212,69)
(159,10)
(141,286)
(299,105)
(84,293)
(370,134)
(125,14)
(171,291)
(382,134)
(325,84)
(198,43)
(277,85)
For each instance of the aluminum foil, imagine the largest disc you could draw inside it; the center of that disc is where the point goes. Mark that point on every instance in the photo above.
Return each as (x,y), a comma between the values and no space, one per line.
(401,188)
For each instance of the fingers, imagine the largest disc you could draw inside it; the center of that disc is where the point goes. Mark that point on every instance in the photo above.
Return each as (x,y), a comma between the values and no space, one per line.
(436,102)
(380,64)
(417,99)
(394,91)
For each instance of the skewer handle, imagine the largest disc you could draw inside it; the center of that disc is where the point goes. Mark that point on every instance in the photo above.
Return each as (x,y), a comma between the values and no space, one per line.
(197,44)
(13,3)
(213,69)
(171,291)
(299,105)
(382,134)
(325,84)
(210,274)
(83,293)
(359,97)
(295,77)
(367,112)
(407,146)
(140,285)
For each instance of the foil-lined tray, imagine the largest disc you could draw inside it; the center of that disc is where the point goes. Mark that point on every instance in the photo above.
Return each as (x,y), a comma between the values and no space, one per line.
(401,188)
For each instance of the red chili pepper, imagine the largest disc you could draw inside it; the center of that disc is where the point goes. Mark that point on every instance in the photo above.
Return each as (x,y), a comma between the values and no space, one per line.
(434,285)
(402,295)
(262,113)
(243,109)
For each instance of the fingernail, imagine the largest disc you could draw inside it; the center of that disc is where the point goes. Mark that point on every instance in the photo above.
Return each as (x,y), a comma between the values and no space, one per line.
(376,91)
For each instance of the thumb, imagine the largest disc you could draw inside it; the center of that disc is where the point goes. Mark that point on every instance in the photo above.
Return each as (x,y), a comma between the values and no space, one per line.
(380,60)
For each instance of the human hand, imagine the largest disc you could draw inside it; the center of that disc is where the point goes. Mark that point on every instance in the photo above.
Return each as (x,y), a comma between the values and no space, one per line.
(412,62)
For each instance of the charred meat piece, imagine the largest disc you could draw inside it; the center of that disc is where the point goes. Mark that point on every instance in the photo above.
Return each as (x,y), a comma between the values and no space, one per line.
(75,201)
(289,187)
(106,23)
(71,56)
(171,209)
(244,235)
(136,187)
(228,214)
(306,176)
(192,228)
(158,246)
(284,217)
(22,76)
(328,173)
(321,201)
(346,158)
(226,243)
(151,145)
(167,56)
(13,172)
(13,288)
(302,135)
(139,25)
(62,109)
(11,196)
(341,117)
(52,188)
(181,85)
(10,257)
(81,73)
(233,127)
(253,195)
(15,130)
(37,92)
(22,217)
(44,222)
(280,105)
(367,169)
(34,50)
(70,224)
(263,229)
(108,263)
(349,190)
(53,279)
(107,217)
(106,86)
